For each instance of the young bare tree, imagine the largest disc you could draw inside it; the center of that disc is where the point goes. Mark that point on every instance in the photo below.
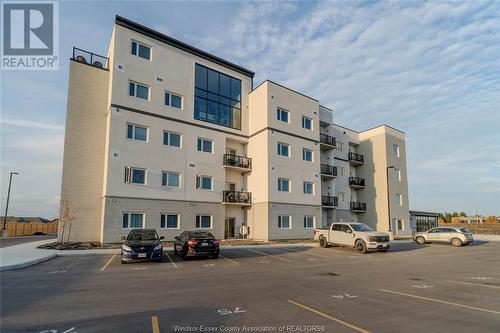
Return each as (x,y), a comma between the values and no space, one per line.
(65,218)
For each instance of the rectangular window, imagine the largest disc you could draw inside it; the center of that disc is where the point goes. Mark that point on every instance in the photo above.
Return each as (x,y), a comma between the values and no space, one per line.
(138,90)
(308,188)
(136,132)
(283,149)
(399,199)
(340,171)
(204,182)
(308,222)
(205,145)
(399,223)
(282,115)
(284,222)
(307,154)
(395,150)
(141,50)
(217,97)
(169,221)
(173,100)
(204,221)
(341,196)
(397,174)
(306,123)
(170,179)
(135,175)
(171,139)
(339,146)
(133,220)
(283,185)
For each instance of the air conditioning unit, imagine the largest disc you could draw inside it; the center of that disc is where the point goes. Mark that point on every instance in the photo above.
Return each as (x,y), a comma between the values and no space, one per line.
(244,230)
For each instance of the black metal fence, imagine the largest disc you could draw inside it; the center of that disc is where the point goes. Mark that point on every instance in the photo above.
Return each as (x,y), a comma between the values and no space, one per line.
(360,206)
(327,139)
(327,169)
(356,157)
(356,181)
(89,58)
(237,197)
(330,201)
(237,161)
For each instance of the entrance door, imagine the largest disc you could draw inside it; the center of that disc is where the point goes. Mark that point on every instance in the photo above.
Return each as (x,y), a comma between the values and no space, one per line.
(229,227)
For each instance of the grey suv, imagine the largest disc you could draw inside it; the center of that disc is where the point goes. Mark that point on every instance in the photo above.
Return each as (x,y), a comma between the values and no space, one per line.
(456,236)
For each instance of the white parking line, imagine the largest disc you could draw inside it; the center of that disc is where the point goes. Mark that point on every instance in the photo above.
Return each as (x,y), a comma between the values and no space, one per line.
(474,284)
(269,255)
(108,263)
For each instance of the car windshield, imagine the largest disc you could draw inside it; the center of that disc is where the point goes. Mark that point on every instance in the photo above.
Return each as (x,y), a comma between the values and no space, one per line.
(201,234)
(361,227)
(464,230)
(142,235)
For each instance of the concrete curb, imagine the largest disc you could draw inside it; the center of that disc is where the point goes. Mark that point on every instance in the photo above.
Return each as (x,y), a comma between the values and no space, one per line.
(26,263)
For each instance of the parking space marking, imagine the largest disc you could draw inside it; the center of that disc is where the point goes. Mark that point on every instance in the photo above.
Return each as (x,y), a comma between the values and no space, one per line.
(154,324)
(309,253)
(327,316)
(230,260)
(270,255)
(474,284)
(171,261)
(440,301)
(108,263)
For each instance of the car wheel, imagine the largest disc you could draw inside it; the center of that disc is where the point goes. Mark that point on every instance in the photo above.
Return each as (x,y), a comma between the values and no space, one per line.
(384,250)
(456,242)
(360,246)
(123,261)
(184,253)
(420,240)
(323,242)
(215,256)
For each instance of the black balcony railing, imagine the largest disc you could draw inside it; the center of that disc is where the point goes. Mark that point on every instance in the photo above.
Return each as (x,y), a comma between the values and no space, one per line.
(359,206)
(89,58)
(327,139)
(354,157)
(329,170)
(330,201)
(237,161)
(237,197)
(356,181)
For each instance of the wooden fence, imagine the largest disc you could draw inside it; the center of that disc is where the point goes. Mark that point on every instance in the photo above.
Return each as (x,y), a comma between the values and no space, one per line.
(484,228)
(28,229)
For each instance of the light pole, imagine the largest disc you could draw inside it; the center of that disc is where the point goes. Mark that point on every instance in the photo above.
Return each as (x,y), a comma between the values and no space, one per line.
(389,196)
(4,231)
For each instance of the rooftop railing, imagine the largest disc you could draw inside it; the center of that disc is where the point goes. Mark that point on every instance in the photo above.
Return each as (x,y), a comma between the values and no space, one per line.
(89,58)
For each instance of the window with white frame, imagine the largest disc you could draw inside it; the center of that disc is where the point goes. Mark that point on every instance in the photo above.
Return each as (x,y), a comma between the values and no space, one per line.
(205,145)
(395,150)
(204,182)
(282,115)
(308,222)
(170,179)
(306,123)
(340,171)
(204,221)
(283,149)
(140,50)
(283,185)
(173,100)
(138,90)
(136,132)
(171,139)
(398,223)
(135,175)
(284,222)
(399,199)
(169,221)
(308,187)
(397,174)
(307,154)
(132,220)
(341,196)
(339,146)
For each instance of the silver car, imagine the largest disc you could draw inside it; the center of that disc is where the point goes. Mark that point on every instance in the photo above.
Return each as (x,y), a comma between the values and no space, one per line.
(456,236)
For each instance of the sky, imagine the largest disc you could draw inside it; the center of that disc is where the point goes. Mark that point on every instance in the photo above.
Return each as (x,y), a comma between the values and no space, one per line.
(430,69)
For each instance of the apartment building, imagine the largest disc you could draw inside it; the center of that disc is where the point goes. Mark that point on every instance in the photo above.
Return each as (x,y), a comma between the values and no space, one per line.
(160,134)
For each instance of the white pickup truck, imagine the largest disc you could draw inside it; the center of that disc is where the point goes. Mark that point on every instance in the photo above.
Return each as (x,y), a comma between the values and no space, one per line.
(357,235)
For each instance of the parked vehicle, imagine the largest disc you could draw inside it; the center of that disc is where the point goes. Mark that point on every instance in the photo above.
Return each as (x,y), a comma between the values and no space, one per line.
(196,243)
(357,235)
(456,236)
(142,245)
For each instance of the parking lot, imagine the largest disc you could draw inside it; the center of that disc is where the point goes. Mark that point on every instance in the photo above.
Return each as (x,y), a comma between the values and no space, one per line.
(430,288)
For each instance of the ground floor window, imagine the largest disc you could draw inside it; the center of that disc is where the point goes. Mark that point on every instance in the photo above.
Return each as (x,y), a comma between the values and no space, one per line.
(308,222)
(133,220)
(204,221)
(169,221)
(284,222)
(399,223)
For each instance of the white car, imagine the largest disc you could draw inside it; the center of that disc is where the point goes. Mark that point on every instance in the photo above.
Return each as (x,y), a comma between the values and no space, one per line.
(357,235)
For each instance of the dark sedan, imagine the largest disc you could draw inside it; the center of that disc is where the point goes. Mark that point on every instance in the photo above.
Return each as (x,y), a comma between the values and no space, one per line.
(196,243)
(142,245)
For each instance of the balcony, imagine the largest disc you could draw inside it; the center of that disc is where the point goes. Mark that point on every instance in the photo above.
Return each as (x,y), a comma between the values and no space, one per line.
(356,182)
(355,159)
(236,162)
(326,141)
(358,207)
(329,201)
(328,171)
(89,58)
(237,198)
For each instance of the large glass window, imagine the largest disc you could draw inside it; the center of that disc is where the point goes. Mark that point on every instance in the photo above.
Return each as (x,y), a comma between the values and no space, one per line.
(170,179)
(217,97)
(169,221)
(171,139)
(203,221)
(136,132)
(133,220)
(283,185)
(284,222)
